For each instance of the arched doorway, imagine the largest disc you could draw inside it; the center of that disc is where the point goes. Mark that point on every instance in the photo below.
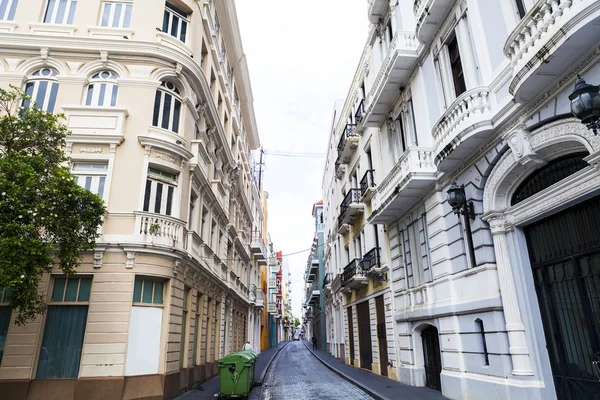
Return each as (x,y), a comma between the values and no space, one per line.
(542,203)
(432,357)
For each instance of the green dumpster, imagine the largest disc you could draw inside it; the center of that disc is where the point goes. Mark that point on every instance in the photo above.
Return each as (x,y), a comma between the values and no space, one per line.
(236,374)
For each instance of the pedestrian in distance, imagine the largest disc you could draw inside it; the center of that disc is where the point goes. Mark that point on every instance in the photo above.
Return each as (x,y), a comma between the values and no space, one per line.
(314,342)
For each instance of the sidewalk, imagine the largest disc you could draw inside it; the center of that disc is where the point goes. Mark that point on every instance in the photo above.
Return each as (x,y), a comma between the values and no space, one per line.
(207,390)
(377,386)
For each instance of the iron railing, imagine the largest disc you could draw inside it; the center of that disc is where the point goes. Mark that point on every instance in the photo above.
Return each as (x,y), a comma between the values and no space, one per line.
(370,260)
(360,111)
(353,196)
(349,131)
(351,270)
(367,181)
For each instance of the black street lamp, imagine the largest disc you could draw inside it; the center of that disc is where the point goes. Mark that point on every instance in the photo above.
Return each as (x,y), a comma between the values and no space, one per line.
(585,104)
(458,201)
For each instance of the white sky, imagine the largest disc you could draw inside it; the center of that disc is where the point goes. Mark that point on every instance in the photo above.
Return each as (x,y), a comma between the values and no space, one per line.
(302,56)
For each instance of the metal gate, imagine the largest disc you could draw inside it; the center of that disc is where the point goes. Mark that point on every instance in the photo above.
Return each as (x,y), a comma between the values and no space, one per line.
(564,250)
(433,359)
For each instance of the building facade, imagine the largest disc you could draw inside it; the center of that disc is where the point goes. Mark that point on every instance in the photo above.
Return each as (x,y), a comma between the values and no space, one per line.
(498,300)
(159,102)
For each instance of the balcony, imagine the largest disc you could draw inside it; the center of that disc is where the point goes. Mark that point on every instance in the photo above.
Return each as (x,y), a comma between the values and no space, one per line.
(360,112)
(313,267)
(430,15)
(260,298)
(158,229)
(367,186)
(348,143)
(377,10)
(327,282)
(465,125)
(274,266)
(258,248)
(252,294)
(405,184)
(549,40)
(351,207)
(272,308)
(371,265)
(393,74)
(272,284)
(353,277)
(313,294)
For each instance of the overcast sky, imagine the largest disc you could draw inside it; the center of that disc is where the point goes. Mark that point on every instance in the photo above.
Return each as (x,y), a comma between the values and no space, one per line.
(302,57)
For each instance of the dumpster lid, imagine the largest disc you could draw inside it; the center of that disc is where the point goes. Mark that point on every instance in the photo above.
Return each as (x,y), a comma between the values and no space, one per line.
(239,356)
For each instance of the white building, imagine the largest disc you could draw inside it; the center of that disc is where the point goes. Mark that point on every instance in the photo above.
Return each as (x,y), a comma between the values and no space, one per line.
(501,303)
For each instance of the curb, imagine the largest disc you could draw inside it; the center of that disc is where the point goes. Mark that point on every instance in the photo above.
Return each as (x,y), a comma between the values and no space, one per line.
(261,379)
(364,388)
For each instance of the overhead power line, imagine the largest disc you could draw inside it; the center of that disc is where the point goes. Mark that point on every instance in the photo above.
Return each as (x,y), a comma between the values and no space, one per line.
(280,153)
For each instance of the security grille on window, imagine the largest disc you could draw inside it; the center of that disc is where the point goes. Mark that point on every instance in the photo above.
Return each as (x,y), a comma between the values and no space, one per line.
(91,176)
(160,189)
(66,318)
(42,87)
(60,11)
(102,90)
(116,14)
(175,22)
(7,9)
(167,107)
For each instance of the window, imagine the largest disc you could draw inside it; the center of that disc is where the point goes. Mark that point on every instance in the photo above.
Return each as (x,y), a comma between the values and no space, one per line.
(192,217)
(160,189)
(456,67)
(411,128)
(102,90)
(148,292)
(520,8)
(175,22)
(5,313)
(116,14)
(66,318)
(91,176)
(389,31)
(167,107)
(42,87)
(223,51)
(415,251)
(481,330)
(203,226)
(184,329)
(60,11)
(217,26)
(7,13)
(198,327)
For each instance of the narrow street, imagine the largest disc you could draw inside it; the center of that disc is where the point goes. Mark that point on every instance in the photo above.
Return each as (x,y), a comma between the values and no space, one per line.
(297,374)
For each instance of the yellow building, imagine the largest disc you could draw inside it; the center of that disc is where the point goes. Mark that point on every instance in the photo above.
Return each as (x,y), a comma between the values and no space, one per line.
(159,101)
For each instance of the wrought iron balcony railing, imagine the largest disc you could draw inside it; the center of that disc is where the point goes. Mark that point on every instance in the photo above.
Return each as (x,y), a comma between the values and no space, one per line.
(351,270)
(327,279)
(367,182)
(360,111)
(371,260)
(353,196)
(349,131)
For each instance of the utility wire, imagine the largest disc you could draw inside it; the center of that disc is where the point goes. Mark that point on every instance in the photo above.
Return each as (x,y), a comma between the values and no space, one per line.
(293,154)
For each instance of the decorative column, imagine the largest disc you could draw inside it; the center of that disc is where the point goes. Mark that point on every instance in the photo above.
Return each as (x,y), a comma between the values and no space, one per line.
(517,343)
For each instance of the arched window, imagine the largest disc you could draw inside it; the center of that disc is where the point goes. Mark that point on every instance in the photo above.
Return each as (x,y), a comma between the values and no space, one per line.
(167,107)
(42,87)
(102,90)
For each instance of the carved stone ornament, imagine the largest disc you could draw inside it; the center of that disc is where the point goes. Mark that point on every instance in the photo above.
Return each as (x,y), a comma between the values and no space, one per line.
(176,265)
(366,68)
(391,126)
(104,57)
(201,108)
(98,256)
(130,260)
(44,54)
(90,150)
(166,157)
(519,142)
(178,69)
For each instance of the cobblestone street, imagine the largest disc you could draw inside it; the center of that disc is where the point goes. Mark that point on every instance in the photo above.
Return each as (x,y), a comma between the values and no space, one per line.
(297,374)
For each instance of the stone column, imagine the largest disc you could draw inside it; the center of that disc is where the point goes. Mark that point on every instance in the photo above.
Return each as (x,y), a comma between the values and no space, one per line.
(517,343)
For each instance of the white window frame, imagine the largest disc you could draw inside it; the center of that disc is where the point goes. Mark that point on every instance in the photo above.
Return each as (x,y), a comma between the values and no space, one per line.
(8,9)
(42,78)
(171,14)
(111,19)
(60,12)
(89,176)
(155,177)
(102,90)
(167,91)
